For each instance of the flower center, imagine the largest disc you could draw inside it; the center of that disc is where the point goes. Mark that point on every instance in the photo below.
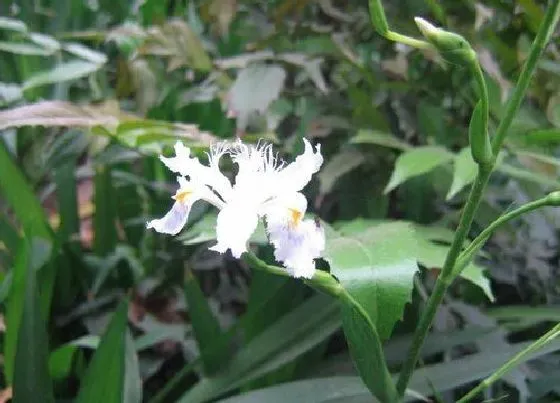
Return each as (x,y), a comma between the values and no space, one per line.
(182,195)
(295,218)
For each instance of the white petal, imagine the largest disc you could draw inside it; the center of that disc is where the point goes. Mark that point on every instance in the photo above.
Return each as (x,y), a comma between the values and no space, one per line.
(296,175)
(198,173)
(297,247)
(174,221)
(235,225)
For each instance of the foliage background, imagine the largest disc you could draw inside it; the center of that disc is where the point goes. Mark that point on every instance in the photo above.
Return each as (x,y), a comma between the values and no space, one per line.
(92,91)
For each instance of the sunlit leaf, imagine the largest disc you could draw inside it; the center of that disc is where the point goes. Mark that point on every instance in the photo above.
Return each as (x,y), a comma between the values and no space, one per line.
(377,267)
(415,162)
(63,72)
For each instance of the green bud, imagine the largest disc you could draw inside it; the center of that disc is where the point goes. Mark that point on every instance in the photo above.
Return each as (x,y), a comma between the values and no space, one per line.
(554,198)
(453,47)
(377,15)
(481,149)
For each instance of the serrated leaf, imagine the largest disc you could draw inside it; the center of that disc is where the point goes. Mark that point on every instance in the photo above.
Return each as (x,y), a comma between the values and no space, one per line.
(415,162)
(432,255)
(105,376)
(68,71)
(254,90)
(376,267)
(464,172)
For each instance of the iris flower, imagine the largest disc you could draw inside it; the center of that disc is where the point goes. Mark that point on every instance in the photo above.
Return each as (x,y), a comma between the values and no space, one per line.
(264,187)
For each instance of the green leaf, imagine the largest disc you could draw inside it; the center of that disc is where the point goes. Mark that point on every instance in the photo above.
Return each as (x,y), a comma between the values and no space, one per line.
(85,53)
(440,377)
(205,326)
(376,266)
(415,162)
(20,196)
(292,335)
(464,172)
(21,48)
(432,255)
(379,138)
(104,220)
(132,380)
(366,351)
(63,72)
(104,380)
(31,371)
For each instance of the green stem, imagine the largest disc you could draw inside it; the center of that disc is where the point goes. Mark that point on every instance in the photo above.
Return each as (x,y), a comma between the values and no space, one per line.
(516,360)
(547,27)
(444,279)
(466,256)
(447,274)
(407,40)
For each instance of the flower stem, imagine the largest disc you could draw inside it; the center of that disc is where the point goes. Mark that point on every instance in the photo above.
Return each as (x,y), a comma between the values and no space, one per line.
(466,256)
(547,27)
(516,360)
(407,40)
(444,279)
(447,274)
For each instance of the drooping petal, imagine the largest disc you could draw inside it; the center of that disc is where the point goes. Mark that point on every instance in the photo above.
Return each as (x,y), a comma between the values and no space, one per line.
(176,218)
(235,225)
(297,247)
(174,221)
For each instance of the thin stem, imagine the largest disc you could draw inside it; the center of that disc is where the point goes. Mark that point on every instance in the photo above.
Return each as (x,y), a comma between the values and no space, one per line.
(447,275)
(444,279)
(466,256)
(547,27)
(407,40)
(516,360)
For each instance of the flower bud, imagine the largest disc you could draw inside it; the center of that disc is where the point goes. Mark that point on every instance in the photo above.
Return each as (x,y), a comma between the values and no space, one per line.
(554,198)
(377,15)
(481,148)
(453,47)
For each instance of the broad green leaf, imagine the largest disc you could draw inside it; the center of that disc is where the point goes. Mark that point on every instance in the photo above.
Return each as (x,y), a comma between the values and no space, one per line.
(464,172)
(379,138)
(205,326)
(340,164)
(63,72)
(366,351)
(376,267)
(415,162)
(104,380)
(292,335)
(31,372)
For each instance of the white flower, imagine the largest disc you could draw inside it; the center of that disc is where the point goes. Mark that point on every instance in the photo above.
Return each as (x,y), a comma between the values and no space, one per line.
(264,187)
